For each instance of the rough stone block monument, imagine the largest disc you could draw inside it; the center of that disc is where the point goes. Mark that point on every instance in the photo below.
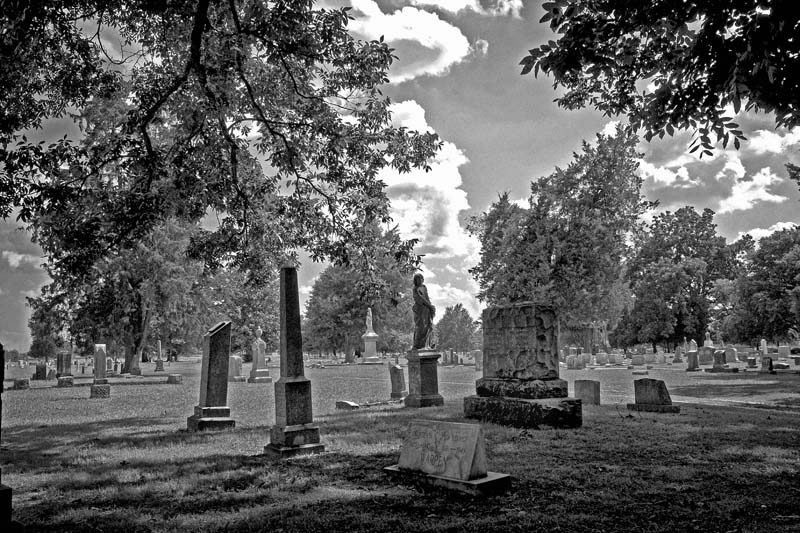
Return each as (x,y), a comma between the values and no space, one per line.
(652,395)
(294,432)
(587,391)
(450,455)
(520,386)
(398,382)
(212,411)
(100,387)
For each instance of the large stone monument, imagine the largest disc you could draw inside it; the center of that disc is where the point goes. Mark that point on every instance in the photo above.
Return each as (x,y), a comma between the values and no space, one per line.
(423,378)
(520,386)
(370,339)
(212,411)
(100,387)
(294,432)
(259,373)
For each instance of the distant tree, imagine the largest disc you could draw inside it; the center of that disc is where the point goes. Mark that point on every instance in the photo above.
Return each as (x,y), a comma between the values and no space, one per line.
(675,64)
(456,329)
(11,355)
(42,348)
(569,247)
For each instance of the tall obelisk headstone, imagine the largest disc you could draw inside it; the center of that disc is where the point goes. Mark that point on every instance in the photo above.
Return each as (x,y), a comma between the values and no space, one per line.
(159,361)
(5,492)
(294,432)
(100,387)
(212,412)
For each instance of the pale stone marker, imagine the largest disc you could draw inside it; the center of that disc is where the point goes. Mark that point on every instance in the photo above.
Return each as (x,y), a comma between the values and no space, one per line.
(477,356)
(694,363)
(100,387)
(370,339)
(692,345)
(212,411)
(705,355)
(159,361)
(638,360)
(259,373)
(731,355)
(520,386)
(587,391)
(448,454)
(235,369)
(398,382)
(783,352)
(294,432)
(652,395)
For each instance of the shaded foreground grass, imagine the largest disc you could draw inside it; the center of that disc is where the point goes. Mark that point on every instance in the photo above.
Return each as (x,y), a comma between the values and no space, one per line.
(708,469)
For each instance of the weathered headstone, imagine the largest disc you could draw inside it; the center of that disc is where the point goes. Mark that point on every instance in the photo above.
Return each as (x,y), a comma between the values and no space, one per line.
(135,369)
(719,363)
(40,374)
(649,358)
(678,356)
(294,432)
(159,361)
(752,362)
(259,373)
(783,352)
(652,395)
(370,339)
(174,379)
(520,385)
(587,391)
(692,345)
(601,359)
(705,355)
(235,369)
(477,356)
(212,411)
(100,387)
(638,360)
(660,359)
(707,342)
(762,347)
(766,365)
(22,383)
(693,361)
(63,364)
(731,354)
(398,382)
(450,455)
(572,362)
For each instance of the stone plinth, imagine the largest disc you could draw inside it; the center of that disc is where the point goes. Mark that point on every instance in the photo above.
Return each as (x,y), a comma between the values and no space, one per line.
(423,379)
(22,383)
(212,411)
(370,339)
(398,381)
(520,386)
(294,432)
(523,413)
(174,379)
(587,391)
(65,381)
(257,375)
(159,365)
(652,395)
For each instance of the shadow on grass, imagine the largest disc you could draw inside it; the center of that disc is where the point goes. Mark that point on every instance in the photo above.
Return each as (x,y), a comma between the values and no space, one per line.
(747,385)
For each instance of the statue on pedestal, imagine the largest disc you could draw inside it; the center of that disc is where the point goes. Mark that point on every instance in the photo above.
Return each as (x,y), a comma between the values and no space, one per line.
(424,311)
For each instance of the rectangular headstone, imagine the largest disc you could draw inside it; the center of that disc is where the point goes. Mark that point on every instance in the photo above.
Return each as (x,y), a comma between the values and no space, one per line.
(100,362)
(784,352)
(446,449)
(214,370)
(652,395)
(588,391)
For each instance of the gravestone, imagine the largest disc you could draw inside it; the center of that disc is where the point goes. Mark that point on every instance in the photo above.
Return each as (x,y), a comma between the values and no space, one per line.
(637,360)
(520,386)
(796,359)
(783,352)
(398,382)
(719,363)
(294,432)
(159,361)
(212,411)
(731,354)
(766,365)
(66,381)
(370,339)
(235,369)
(705,355)
(752,362)
(692,345)
(63,364)
(649,358)
(174,379)
(660,359)
(601,359)
(571,362)
(678,357)
(423,379)
(587,391)
(693,362)
(40,373)
(259,373)
(762,347)
(100,387)
(450,455)
(652,395)
(22,384)
(135,369)
(477,356)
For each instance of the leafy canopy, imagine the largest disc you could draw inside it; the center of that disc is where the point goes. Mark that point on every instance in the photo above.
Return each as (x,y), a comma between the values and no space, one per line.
(675,64)
(264,117)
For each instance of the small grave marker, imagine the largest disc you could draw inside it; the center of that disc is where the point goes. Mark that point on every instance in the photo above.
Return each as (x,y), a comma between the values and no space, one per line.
(588,391)
(652,395)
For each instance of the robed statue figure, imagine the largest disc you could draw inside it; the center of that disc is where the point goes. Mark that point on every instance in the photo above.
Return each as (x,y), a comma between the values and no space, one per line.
(424,312)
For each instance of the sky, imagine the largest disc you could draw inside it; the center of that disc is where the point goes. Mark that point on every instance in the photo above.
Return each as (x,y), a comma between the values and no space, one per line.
(457,74)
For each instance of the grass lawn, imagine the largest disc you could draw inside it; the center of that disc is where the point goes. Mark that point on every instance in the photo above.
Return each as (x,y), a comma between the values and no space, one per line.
(127,463)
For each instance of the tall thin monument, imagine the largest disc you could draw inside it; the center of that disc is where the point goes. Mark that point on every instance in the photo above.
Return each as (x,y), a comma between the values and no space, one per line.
(212,412)
(294,432)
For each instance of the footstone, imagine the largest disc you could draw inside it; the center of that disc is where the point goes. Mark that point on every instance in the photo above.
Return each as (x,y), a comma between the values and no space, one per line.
(22,383)
(652,395)
(65,381)
(423,380)
(212,411)
(587,391)
(524,413)
(447,454)
(100,391)
(174,379)
(294,432)
(398,381)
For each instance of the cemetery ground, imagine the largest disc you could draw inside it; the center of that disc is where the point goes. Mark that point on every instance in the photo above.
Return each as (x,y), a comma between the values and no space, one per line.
(730,461)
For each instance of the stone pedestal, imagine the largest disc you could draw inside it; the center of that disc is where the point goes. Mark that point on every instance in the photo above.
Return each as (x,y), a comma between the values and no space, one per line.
(212,411)
(370,339)
(294,432)
(398,380)
(520,386)
(174,379)
(257,375)
(65,381)
(22,383)
(423,379)
(100,389)
(159,365)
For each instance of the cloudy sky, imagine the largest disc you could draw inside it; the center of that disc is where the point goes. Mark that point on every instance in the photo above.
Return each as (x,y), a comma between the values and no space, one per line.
(458,75)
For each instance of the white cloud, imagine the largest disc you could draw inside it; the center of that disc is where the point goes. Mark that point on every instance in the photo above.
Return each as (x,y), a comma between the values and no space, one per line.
(746,193)
(425,205)
(760,233)
(733,166)
(15,259)
(31,293)
(425,44)
(765,141)
(665,176)
(610,129)
(481,47)
(444,296)
(494,7)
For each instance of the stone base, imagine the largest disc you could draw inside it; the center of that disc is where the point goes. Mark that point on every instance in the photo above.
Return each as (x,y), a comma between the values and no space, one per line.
(65,381)
(159,365)
(210,418)
(423,380)
(283,452)
(693,370)
(493,483)
(517,388)
(526,413)
(654,408)
(416,400)
(398,395)
(22,384)
(259,379)
(136,371)
(293,436)
(100,391)
(237,379)
(721,370)
(175,379)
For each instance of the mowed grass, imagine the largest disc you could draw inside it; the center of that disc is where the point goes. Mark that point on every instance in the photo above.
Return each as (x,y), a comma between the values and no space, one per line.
(128,464)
